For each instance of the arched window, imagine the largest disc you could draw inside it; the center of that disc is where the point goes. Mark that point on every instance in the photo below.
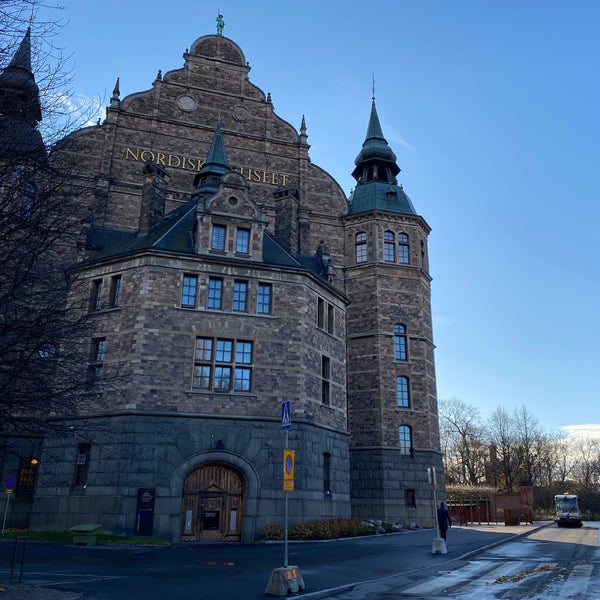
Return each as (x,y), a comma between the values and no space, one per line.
(403,249)
(405,437)
(400,342)
(389,248)
(402,392)
(360,245)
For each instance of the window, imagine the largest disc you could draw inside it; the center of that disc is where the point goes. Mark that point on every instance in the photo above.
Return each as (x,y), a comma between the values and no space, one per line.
(402,393)
(242,241)
(410,498)
(389,247)
(96,295)
(327,473)
(215,293)
(403,247)
(218,237)
(400,347)
(28,199)
(80,477)
(405,436)
(97,358)
(325,380)
(240,295)
(189,291)
(222,365)
(360,245)
(115,290)
(264,298)
(325,315)
(27,476)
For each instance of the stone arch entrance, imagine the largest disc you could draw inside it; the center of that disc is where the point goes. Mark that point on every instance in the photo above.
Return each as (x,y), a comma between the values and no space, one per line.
(212,505)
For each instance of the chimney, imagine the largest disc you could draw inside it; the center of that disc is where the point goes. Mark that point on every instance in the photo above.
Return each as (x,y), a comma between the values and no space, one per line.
(154,191)
(287,203)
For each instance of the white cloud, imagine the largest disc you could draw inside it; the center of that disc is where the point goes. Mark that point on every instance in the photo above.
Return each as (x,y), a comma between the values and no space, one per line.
(587,430)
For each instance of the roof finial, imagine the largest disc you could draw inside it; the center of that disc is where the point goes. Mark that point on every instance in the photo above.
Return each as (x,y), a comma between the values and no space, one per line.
(373,88)
(220,23)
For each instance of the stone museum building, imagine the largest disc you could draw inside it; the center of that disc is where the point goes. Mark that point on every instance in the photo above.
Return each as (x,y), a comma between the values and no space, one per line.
(225,276)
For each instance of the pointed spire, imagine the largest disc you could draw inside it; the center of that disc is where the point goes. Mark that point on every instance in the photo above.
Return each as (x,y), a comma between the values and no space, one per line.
(376,160)
(114,99)
(303,137)
(216,165)
(216,159)
(375,173)
(22,57)
(20,108)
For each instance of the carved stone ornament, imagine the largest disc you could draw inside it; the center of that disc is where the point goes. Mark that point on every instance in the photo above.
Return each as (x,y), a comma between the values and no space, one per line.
(186,103)
(241,114)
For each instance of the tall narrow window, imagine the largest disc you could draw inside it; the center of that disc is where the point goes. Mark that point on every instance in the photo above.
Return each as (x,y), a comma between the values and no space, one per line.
(264,300)
(400,347)
(330,320)
(320,313)
(360,247)
(28,198)
(402,392)
(240,295)
(27,476)
(218,237)
(96,295)
(80,477)
(325,380)
(115,290)
(389,246)
(97,358)
(405,438)
(403,249)
(215,293)
(327,473)
(189,291)
(242,241)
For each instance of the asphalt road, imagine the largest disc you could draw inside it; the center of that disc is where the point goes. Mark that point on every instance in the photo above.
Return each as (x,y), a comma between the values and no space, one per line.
(235,571)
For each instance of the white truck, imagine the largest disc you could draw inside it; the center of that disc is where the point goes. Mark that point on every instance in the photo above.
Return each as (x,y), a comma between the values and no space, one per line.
(567,510)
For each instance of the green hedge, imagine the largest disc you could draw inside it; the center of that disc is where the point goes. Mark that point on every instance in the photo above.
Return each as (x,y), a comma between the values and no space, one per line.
(318,530)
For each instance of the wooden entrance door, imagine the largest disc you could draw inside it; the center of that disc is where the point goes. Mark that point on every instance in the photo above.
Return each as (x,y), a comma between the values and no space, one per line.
(212,504)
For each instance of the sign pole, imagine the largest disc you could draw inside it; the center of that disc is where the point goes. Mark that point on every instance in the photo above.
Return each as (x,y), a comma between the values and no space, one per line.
(8,495)
(285,518)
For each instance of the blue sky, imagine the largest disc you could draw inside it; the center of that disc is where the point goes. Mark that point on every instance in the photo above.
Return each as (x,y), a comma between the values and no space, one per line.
(492,110)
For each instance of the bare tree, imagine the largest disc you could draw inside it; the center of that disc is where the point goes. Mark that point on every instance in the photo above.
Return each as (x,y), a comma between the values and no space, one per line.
(42,358)
(586,461)
(465,451)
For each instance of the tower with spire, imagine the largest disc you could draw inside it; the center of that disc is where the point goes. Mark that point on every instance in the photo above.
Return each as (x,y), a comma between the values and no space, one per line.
(392,406)
(20,110)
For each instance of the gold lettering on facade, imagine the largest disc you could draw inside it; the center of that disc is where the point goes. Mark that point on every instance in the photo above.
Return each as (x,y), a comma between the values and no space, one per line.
(189,163)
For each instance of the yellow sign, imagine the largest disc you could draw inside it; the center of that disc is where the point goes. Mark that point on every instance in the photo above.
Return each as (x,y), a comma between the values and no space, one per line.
(288,469)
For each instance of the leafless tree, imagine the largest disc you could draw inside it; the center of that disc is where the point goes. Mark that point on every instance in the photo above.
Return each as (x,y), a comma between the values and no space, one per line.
(42,335)
(465,451)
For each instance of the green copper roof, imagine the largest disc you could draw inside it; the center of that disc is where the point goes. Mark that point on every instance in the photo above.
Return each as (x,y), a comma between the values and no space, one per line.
(216,160)
(375,174)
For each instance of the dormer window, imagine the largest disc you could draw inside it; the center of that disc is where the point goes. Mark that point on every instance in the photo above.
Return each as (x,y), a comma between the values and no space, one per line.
(218,237)
(242,241)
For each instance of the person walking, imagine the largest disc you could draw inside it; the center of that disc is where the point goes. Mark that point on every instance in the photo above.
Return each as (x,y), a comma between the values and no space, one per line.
(444,521)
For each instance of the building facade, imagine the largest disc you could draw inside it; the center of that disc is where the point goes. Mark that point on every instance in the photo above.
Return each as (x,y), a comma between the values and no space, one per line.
(224,274)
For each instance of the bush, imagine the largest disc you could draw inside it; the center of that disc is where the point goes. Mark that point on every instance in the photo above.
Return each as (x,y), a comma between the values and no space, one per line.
(328,529)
